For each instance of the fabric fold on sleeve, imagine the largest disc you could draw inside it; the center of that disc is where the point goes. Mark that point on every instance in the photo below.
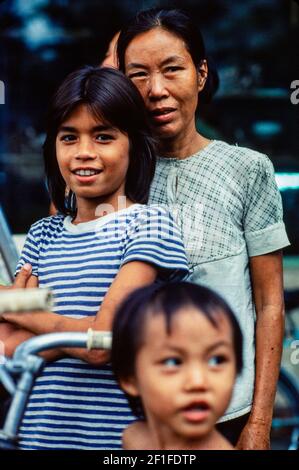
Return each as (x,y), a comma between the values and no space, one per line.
(154,238)
(264,229)
(30,252)
(267,240)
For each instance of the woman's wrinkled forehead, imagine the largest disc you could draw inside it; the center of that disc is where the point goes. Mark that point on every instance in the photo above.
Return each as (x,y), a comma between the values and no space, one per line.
(156,39)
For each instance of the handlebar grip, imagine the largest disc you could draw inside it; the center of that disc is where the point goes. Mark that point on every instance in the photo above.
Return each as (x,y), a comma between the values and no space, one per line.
(21,300)
(98,339)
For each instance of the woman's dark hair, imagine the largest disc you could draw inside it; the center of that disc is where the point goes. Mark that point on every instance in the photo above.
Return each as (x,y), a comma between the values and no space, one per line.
(110,96)
(167,300)
(178,22)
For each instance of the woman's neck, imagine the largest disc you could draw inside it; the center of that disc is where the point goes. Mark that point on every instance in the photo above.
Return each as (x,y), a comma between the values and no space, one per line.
(182,146)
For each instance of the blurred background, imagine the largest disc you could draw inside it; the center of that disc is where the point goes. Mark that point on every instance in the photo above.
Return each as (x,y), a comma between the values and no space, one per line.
(254,45)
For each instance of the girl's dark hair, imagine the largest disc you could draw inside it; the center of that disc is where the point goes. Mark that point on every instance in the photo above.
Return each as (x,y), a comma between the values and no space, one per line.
(178,22)
(167,300)
(110,96)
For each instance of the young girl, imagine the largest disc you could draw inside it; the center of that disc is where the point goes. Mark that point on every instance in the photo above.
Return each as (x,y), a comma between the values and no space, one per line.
(103,243)
(176,352)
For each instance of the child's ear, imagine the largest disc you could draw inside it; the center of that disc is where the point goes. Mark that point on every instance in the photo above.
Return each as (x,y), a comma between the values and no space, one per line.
(202,74)
(129,385)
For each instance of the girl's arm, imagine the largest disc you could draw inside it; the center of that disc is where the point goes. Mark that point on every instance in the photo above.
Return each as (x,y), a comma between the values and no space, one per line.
(12,335)
(24,279)
(130,276)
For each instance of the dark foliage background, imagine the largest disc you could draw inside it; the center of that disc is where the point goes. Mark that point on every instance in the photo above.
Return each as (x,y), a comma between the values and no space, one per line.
(254,44)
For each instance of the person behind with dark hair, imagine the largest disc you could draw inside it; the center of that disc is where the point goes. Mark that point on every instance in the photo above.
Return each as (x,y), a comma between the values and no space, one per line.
(176,351)
(227,202)
(104,242)
(110,59)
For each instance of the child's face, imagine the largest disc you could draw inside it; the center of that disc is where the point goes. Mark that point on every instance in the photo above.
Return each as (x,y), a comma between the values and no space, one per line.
(93,158)
(185,378)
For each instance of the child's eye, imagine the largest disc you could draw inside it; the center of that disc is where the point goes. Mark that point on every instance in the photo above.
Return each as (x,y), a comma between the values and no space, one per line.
(217,360)
(68,138)
(171,362)
(104,137)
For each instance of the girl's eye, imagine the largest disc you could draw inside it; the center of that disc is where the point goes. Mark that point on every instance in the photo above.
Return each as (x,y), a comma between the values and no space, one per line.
(104,137)
(68,138)
(217,360)
(171,362)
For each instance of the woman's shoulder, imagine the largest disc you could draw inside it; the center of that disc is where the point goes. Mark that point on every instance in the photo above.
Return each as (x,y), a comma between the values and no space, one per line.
(239,154)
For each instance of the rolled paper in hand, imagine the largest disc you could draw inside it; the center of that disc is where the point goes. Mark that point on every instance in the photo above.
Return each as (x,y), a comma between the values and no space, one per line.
(22,300)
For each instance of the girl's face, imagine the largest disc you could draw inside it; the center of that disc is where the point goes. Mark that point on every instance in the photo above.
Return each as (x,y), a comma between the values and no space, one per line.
(185,378)
(93,158)
(161,67)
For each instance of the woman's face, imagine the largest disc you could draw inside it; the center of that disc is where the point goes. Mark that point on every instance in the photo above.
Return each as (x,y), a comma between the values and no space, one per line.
(162,69)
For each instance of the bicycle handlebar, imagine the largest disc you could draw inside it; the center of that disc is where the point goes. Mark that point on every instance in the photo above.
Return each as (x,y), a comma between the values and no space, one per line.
(92,340)
(27,364)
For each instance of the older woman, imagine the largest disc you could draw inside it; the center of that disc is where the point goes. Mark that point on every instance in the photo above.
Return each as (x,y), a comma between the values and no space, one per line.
(227,201)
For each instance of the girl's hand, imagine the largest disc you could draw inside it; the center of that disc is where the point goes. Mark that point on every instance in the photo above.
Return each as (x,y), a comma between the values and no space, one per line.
(24,279)
(27,320)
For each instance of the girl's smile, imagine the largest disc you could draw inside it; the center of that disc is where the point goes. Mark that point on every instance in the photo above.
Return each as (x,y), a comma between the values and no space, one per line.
(86,174)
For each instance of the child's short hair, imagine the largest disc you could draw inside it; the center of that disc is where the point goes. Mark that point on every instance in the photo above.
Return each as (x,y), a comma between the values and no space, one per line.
(168,299)
(110,96)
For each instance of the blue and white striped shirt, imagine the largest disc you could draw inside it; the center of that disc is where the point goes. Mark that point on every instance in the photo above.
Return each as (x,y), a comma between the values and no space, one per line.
(74,405)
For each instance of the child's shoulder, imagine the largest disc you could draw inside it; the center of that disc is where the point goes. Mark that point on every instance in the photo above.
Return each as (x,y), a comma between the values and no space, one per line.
(136,437)
(159,212)
(217,442)
(224,444)
(50,223)
(150,209)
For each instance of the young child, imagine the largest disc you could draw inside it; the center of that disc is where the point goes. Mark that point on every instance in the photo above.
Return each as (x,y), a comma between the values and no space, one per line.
(176,352)
(103,243)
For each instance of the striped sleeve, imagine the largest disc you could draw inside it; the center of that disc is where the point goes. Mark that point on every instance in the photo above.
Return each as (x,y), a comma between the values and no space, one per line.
(30,252)
(153,237)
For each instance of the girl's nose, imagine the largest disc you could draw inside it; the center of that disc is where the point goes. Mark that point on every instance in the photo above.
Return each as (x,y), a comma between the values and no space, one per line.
(85,150)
